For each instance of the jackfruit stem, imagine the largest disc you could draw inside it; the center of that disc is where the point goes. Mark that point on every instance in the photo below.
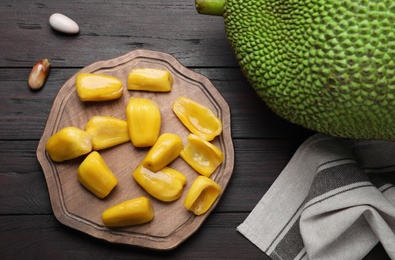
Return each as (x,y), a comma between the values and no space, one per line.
(210,7)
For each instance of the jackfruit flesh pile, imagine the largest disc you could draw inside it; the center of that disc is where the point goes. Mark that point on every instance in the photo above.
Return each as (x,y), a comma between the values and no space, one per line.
(326,65)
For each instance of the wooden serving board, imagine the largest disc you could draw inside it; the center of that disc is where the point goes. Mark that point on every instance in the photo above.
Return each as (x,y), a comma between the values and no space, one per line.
(76,207)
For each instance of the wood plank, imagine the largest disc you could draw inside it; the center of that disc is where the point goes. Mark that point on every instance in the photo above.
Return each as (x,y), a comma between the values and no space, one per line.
(43,237)
(24,112)
(24,189)
(24,193)
(199,40)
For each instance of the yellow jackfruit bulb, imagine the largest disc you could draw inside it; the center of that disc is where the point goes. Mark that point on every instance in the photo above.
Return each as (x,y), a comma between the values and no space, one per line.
(165,150)
(199,119)
(131,212)
(201,155)
(202,195)
(144,121)
(68,143)
(149,79)
(107,131)
(98,87)
(165,185)
(96,176)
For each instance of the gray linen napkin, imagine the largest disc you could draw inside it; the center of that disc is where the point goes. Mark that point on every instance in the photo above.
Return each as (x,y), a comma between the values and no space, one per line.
(335,199)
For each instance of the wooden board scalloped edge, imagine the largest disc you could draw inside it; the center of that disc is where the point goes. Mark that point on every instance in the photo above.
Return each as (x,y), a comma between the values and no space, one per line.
(139,240)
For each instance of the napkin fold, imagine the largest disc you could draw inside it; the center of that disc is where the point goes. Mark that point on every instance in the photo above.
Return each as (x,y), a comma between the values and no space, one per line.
(335,199)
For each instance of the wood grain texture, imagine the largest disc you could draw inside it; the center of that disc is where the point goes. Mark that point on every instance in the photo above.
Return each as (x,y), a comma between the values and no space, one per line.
(54,241)
(257,165)
(263,142)
(122,27)
(28,111)
(78,208)
(43,237)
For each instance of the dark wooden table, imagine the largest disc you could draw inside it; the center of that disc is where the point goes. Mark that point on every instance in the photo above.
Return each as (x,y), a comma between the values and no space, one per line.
(263,142)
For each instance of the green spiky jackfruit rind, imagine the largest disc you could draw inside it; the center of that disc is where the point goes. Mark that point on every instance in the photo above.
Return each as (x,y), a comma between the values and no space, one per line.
(324,64)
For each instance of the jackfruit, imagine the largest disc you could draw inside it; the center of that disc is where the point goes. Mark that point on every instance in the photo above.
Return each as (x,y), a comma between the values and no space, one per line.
(324,64)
